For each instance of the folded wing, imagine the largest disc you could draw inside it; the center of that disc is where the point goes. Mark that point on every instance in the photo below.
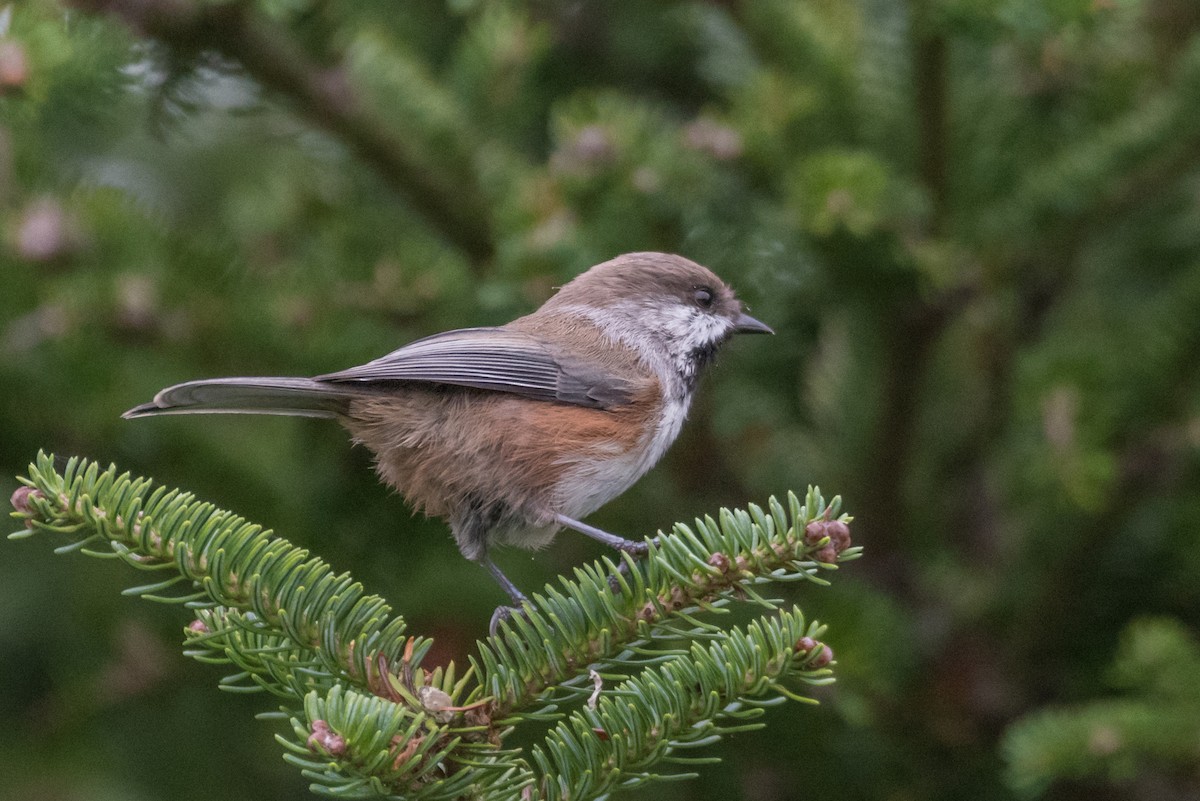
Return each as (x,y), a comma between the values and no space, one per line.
(497,359)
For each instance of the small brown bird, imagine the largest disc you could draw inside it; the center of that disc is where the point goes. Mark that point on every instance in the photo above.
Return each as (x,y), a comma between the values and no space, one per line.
(512,433)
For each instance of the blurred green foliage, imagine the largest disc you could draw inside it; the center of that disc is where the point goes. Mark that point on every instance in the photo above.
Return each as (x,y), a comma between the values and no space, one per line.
(1151,729)
(975,225)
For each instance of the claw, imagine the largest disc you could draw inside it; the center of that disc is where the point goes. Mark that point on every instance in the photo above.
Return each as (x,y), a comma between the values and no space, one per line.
(503,613)
(637,549)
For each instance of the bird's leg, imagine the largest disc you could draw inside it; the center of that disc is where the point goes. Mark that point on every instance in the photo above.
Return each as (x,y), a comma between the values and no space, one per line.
(503,580)
(518,597)
(473,525)
(611,540)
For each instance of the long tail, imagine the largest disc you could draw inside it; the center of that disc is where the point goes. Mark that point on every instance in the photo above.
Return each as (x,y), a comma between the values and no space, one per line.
(301,397)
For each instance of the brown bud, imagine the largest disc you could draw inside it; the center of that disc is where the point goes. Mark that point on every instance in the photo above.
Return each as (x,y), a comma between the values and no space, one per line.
(600,733)
(720,561)
(479,715)
(819,654)
(326,739)
(21,498)
(826,555)
(814,532)
(822,658)
(839,534)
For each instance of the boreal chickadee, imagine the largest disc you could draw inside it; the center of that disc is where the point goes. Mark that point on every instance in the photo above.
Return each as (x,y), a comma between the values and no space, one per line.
(512,433)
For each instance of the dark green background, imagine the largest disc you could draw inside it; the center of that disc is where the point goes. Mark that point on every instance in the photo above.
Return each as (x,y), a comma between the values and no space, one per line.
(975,225)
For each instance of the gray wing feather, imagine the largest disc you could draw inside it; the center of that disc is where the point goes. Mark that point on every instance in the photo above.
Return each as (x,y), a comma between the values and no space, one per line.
(300,397)
(497,359)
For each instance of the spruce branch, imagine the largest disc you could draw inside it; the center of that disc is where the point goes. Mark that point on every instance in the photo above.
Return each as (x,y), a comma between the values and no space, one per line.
(325,621)
(617,658)
(683,704)
(615,615)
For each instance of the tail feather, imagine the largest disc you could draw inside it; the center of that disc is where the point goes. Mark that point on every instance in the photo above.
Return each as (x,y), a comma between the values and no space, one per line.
(302,397)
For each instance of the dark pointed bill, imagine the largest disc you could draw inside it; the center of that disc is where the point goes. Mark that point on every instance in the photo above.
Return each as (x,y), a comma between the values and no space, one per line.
(745,324)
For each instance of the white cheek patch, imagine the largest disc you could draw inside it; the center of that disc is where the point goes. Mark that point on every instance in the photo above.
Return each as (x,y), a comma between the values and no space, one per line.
(666,335)
(707,330)
(689,330)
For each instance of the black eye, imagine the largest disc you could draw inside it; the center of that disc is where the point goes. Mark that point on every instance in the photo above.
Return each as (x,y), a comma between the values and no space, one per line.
(703,296)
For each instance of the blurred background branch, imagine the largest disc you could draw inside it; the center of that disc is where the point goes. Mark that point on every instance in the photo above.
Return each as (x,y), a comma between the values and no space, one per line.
(323,95)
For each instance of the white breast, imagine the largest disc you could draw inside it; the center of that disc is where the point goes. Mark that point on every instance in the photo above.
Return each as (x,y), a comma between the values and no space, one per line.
(589,485)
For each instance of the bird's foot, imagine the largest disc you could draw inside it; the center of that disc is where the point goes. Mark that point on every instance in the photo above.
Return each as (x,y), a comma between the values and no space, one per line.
(634,548)
(518,597)
(639,549)
(503,613)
